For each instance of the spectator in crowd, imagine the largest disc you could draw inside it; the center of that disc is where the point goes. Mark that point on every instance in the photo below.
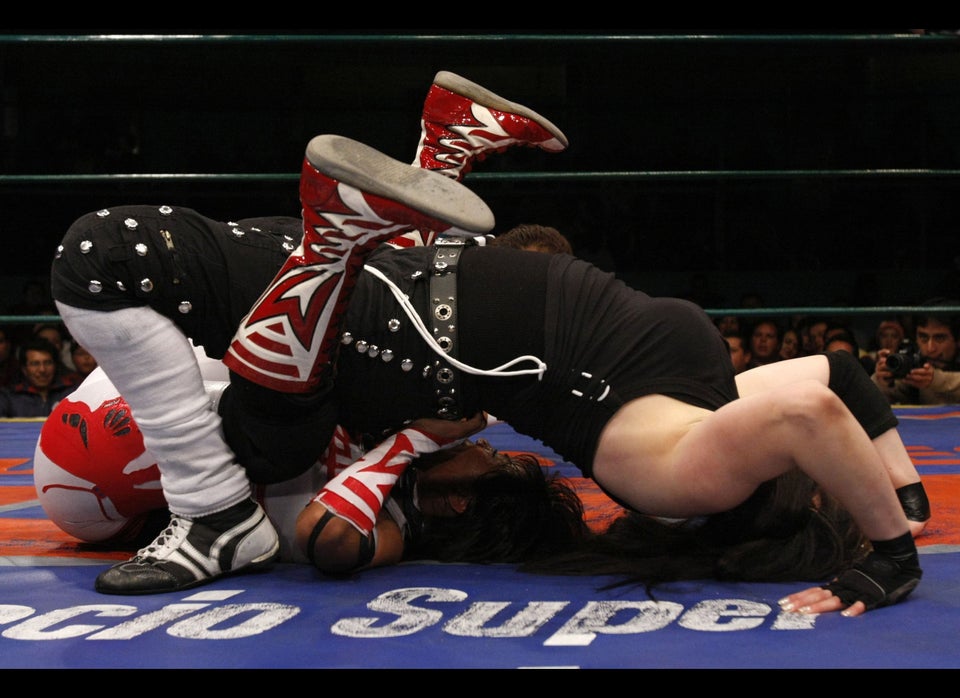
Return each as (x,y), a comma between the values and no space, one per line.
(764,342)
(889,335)
(83,360)
(842,340)
(728,323)
(790,344)
(817,328)
(929,372)
(739,349)
(44,383)
(846,340)
(57,335)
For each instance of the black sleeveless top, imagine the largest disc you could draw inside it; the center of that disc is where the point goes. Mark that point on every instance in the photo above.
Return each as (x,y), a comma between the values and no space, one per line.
(603,344)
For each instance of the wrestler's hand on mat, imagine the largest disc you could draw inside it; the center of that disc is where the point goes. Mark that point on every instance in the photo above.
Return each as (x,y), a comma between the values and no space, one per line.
(877,581)
(448,431)
(819,600)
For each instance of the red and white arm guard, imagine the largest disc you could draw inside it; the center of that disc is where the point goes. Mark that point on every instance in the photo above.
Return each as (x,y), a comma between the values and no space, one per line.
(357,494)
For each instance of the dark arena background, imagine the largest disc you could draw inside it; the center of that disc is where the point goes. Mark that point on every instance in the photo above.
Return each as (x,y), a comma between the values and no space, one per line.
(818,171)
(813,169)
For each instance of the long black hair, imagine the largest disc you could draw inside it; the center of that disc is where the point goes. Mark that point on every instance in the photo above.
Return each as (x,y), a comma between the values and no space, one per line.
(514,514)
(788,530)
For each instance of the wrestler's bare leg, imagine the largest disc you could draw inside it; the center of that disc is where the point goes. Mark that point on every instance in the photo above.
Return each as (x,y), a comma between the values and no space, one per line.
(889,445)
(666,458)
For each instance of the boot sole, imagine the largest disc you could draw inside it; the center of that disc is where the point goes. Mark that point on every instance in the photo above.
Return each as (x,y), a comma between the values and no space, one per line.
(481,95)
(370,171)
(261,564)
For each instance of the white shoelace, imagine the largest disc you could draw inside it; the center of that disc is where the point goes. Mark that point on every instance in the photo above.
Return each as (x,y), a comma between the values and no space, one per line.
(421,328)
(169,539)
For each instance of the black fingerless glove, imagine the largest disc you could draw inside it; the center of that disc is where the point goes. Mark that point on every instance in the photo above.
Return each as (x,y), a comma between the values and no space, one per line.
(886,576)
(913,499)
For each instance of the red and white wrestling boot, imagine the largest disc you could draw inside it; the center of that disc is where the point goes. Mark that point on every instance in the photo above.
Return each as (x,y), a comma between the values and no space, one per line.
(353,198)
(463,122)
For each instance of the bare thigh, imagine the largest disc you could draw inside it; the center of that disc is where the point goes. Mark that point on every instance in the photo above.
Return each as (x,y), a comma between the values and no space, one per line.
(781,373)
(666,458)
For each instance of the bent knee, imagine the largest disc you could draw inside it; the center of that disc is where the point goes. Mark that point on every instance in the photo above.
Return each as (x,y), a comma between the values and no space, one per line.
(811,404)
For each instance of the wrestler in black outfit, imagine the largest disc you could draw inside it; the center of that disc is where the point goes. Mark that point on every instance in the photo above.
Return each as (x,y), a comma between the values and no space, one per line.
(603,343)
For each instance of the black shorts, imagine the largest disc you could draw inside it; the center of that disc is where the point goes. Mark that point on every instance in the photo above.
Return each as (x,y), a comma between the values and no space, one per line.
(202,274)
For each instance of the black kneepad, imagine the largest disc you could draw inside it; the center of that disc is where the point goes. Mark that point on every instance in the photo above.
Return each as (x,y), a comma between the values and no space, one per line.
(853,386)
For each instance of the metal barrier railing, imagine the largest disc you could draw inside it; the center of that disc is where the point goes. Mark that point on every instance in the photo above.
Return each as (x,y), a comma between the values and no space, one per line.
(713,312)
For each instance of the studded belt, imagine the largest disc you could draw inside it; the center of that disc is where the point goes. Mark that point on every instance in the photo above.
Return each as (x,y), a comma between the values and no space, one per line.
(443,315)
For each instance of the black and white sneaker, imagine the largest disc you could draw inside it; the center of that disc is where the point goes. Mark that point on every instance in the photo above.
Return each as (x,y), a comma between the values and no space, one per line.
(192,552)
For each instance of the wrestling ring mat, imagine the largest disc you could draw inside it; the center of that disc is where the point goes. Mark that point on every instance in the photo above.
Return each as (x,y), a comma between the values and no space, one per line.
(436,616)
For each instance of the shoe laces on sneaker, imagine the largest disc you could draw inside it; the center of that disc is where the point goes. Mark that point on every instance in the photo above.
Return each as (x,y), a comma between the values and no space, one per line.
(167,542)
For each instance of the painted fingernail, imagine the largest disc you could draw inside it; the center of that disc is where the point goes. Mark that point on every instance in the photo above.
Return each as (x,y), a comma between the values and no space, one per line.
(804,609)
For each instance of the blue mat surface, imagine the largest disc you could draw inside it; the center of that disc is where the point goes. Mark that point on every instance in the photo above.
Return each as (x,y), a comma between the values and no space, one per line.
(422,615)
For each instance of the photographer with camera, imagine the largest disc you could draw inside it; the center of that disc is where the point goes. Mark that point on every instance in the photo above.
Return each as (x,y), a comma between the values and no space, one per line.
(925,371)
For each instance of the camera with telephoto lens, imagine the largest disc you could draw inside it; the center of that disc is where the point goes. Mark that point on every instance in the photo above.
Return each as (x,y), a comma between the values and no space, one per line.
(904,359)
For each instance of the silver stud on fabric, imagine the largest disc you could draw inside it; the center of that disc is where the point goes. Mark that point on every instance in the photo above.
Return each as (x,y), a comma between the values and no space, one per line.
(373,351)
(120,285)
(103,212)
(393,324)
(346,338)
(443,312)
(406,365)
(238,232)
(386,355)
(94,286)
(361,346)
(86,246)
(427,371)
(141,249)
(131,224)
(288,247)
(146,285)
(59,253)
(445,343)
(185,307)
(416,275)
(165,210)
